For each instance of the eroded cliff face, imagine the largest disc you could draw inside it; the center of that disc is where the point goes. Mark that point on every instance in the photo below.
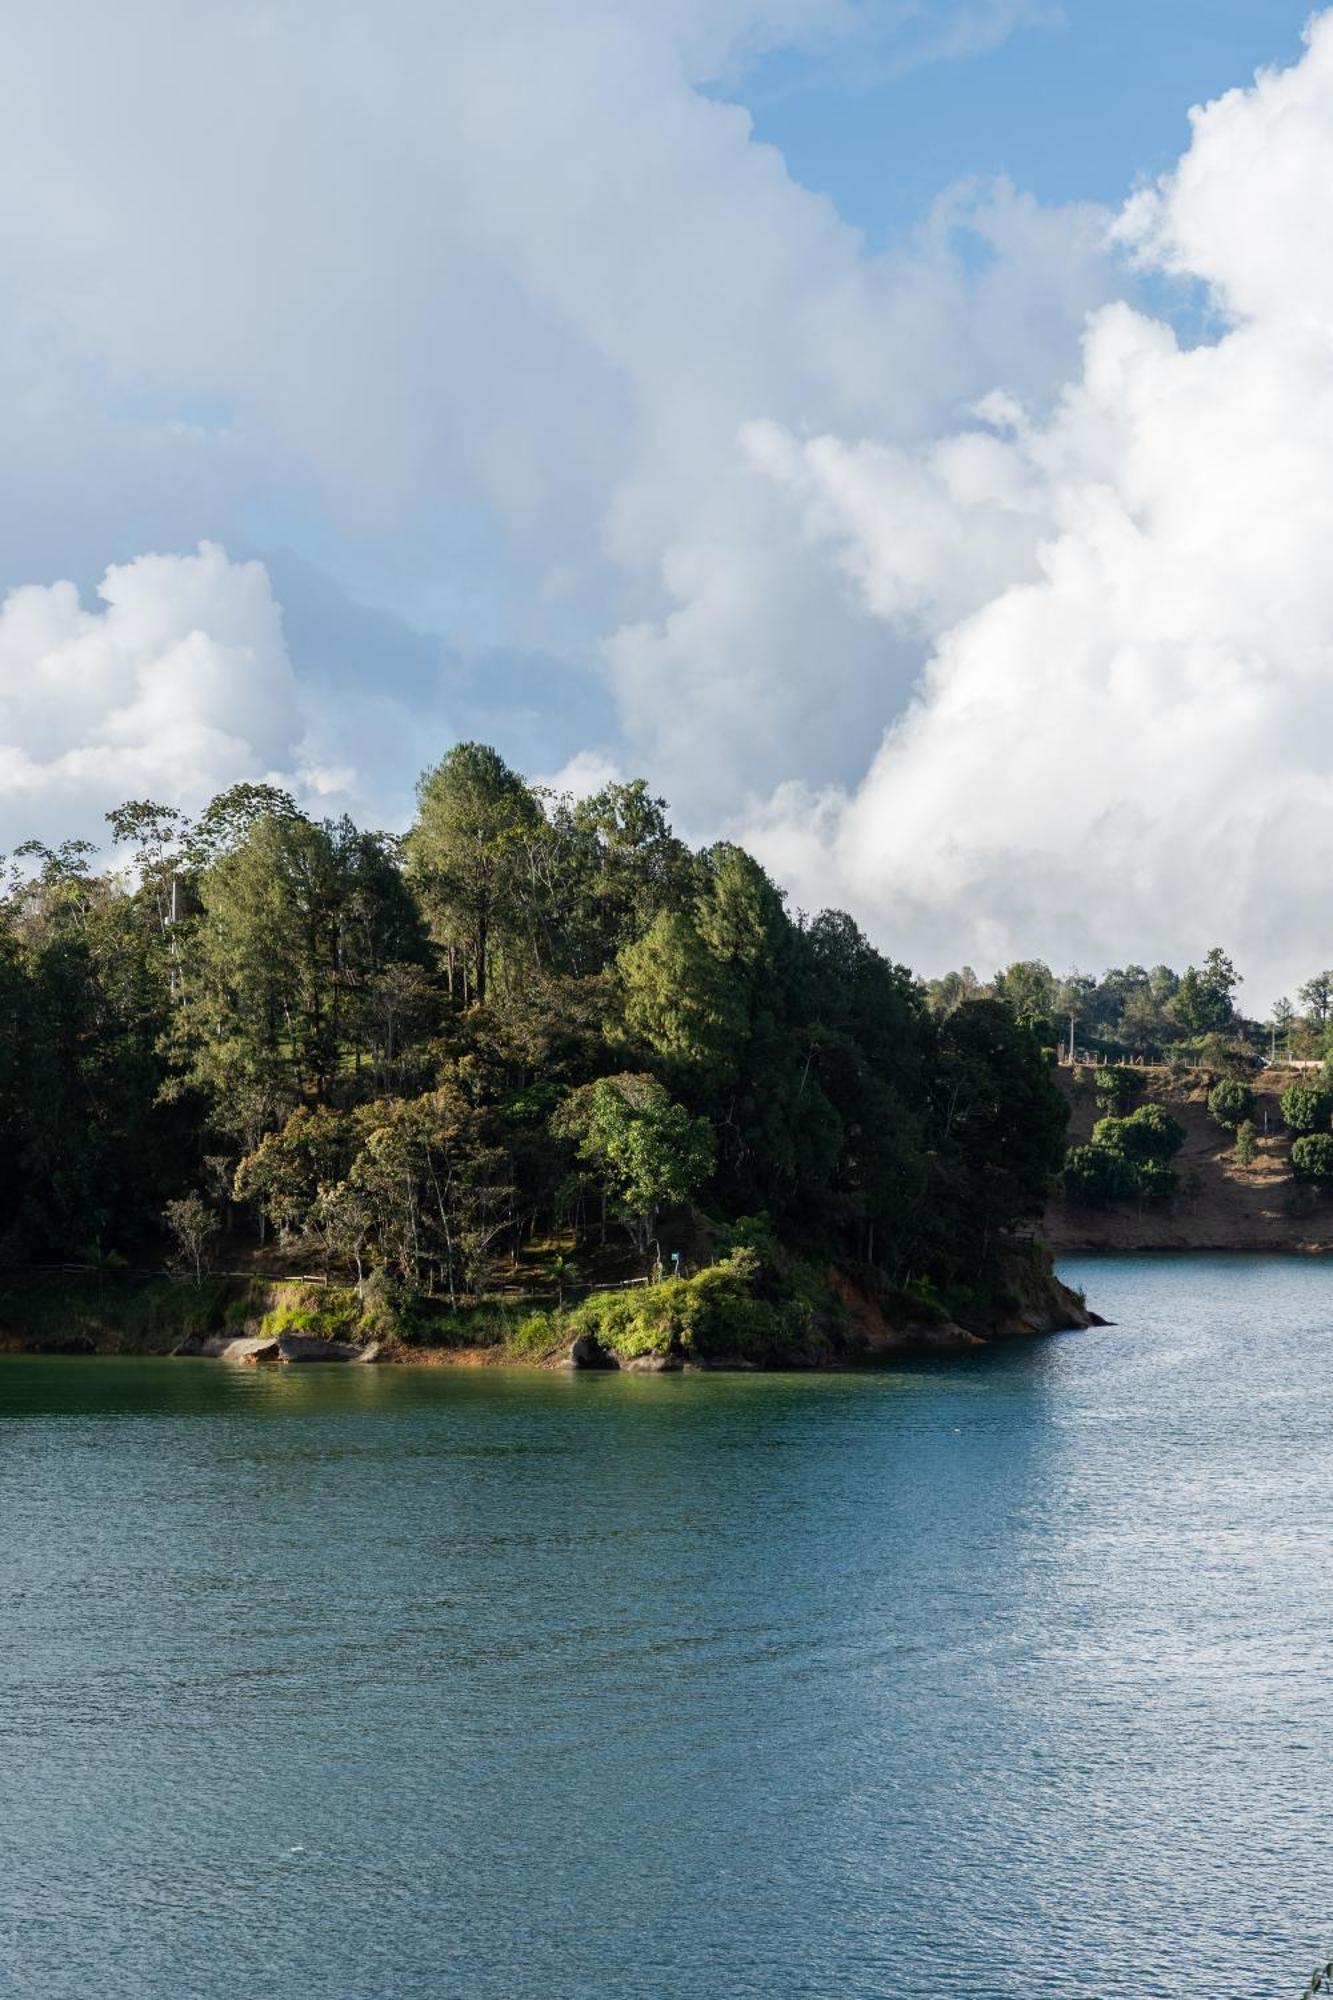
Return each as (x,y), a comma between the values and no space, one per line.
(1221,1204)
(1042,1302)
(1032,1301)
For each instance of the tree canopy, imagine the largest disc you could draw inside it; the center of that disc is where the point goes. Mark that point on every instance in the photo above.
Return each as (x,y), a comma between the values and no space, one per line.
(530,1014)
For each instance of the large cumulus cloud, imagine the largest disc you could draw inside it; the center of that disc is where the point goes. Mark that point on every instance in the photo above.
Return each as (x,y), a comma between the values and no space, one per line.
(469,305)
(504,322)
(1123,741)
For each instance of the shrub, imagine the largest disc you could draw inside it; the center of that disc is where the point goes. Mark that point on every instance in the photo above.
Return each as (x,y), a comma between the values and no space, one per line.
(1116,1089)
(1231,1103)
(1095,1175)
(1223,1052)
(1312,1158)
(1129,1159)
(1156,1181)
(1155,1134)
(1150,1133)
(538,1335)
(383,1295)
(1305,1107)
(752,1233)
(1247,1143)
(714,1313)
(330,1314)
(922,1294)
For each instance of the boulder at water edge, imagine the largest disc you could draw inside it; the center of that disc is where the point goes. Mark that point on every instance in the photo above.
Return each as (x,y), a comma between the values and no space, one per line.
(588,1352)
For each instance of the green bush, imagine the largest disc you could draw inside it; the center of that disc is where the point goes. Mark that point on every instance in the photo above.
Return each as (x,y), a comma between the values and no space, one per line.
(1129,1159)
(1155,1180)
(1312,1158)
(387,1306)
(1095,1176)
(332,1314)
(1220,1052)
(1231,1103)
(1150,1133)
(1116,1089)
(716,1313)
(1306,1107)
(923,1296)
(1247,1142)
(537,1336)
(754,1233)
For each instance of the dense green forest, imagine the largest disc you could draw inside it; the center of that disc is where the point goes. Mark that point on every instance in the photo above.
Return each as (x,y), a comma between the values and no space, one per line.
(530,1021)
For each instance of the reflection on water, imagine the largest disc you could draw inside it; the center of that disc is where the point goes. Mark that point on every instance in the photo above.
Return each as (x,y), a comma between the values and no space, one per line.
(1008,1677)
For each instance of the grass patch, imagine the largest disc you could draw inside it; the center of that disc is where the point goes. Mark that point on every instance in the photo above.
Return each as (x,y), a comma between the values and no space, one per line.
(328,1313)
(719,1314)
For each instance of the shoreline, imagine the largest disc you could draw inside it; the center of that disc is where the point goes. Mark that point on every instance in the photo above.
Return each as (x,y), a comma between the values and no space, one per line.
(489,1360)
(945,1342)
(1090,1249)
(856,1321)
(926,1345)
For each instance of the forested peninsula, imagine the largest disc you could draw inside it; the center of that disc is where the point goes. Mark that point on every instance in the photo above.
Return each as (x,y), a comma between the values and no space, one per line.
(532,1081)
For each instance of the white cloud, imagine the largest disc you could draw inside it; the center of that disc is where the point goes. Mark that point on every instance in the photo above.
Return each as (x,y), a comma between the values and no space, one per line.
(177,686)
(486,296)
(522,325)
(588,771)
(1123,743)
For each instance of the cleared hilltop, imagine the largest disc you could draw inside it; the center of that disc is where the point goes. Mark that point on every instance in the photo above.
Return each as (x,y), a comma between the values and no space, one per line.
(1221,1204)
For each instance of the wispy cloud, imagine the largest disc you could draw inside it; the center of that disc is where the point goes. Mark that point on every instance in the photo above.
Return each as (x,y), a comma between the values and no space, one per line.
(863,44)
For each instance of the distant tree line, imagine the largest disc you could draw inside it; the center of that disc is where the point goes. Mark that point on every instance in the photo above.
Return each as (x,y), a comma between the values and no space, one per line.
(1132,1017)
(1152,1014)
(1130,1012)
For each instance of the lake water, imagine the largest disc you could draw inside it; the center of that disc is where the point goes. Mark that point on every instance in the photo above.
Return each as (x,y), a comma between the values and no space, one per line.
(1007,1678)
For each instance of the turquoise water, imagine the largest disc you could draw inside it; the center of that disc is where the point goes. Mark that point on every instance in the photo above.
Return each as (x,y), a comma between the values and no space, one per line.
(1009,1678)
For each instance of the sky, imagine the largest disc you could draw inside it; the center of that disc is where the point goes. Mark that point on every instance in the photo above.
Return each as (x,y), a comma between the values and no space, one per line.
(900,429)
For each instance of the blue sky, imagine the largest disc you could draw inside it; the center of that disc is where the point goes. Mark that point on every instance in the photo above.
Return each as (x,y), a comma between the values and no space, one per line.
(1076,107)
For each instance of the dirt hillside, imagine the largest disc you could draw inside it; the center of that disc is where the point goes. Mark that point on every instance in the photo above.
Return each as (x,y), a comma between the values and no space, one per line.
(1221,1205)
